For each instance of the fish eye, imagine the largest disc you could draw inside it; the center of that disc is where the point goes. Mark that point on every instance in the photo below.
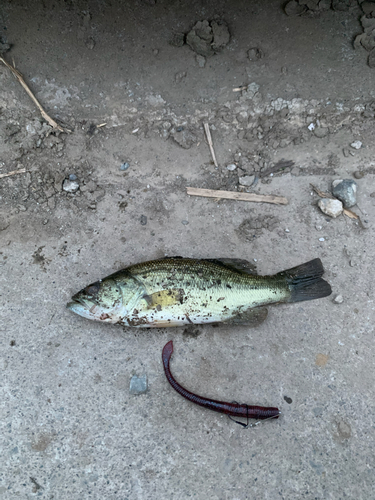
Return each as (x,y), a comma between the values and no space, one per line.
(93,289)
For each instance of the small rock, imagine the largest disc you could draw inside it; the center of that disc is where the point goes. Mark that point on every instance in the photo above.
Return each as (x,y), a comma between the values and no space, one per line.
(178,77)
(311,127)
(345,152)
(72,177)
(254,54)
(333,208)
(201,60)
(345,190)
(207,38)
(321,239)
(185,222)
(155,101)
(368,7)
(242,117)
(143,220)
(321,132)
(177,40)
(155,52)
(138,385)
(124,166)
(339,299)
(356,145)
(247,180)
(358,174)
(90,43)
(231,167)
(70,186)
(293,8)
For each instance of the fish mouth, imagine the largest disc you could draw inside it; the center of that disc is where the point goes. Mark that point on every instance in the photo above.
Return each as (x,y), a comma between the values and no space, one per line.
(82,307)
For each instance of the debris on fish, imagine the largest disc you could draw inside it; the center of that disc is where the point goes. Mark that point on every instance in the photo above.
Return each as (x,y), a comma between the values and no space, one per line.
(176,291)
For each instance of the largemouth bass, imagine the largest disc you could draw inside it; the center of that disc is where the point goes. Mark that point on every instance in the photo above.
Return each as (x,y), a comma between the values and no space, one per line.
(176,291)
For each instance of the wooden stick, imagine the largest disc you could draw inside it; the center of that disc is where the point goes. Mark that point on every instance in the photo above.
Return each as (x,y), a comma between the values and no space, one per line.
(14,172)
(232,195)
(20,78)
(210,143)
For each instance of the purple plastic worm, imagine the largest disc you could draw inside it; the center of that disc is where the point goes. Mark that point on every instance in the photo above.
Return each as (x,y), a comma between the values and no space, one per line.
(231,409)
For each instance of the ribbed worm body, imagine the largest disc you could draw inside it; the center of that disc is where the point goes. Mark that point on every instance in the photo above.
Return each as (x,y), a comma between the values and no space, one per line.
(232,409)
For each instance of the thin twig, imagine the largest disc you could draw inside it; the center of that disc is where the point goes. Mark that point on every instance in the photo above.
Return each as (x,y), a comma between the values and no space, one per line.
(232,195)
(14,172)
(210,143)
(322,194)
(350,214)
(20,78)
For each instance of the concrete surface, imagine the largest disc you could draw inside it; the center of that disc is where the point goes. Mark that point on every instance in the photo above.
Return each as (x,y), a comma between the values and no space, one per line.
(70,429)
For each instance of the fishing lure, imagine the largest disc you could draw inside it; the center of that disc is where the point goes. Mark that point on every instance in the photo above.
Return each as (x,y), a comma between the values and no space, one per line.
(231,409)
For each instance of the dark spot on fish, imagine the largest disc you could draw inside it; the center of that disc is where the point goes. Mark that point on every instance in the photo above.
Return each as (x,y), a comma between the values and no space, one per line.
(158,307)
(135,311)
(104,316)
(188,283)
(218,282)
(220,298)
(144,277)
(228,286)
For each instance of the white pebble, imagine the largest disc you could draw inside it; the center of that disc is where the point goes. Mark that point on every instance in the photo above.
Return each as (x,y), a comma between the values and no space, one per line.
(356,145)
(333,208)
(311,127)
(321,239)
(339,299)
(231,167)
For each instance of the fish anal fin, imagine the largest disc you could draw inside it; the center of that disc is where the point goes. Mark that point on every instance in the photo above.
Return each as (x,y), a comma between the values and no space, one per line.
(250,317)
(239,265)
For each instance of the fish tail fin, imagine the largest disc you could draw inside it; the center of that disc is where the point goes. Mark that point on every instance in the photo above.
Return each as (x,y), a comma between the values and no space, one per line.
(305,281)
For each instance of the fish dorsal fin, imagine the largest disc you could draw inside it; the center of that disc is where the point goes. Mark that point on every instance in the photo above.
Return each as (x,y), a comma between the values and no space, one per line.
(239,265)
(250,317)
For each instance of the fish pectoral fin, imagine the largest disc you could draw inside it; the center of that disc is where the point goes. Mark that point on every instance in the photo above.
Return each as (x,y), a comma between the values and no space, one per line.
(164,298)
(238,265)
(249,317)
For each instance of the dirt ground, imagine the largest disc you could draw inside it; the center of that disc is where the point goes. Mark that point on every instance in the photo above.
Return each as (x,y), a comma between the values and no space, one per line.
(132,97)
